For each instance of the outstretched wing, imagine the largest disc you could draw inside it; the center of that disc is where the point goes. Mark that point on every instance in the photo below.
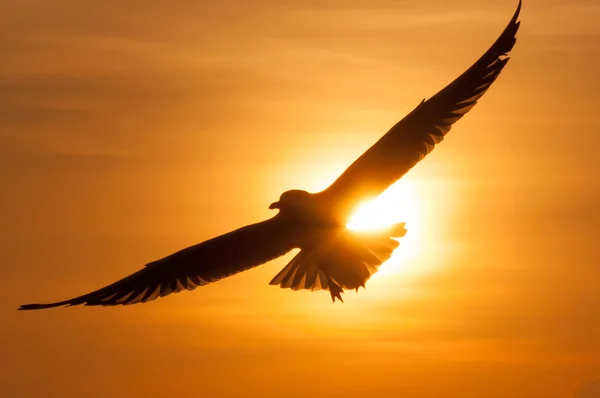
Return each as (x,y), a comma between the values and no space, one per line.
(195,266)
(411,139)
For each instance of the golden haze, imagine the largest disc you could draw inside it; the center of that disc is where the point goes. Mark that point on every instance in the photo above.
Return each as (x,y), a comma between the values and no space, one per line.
(116,116)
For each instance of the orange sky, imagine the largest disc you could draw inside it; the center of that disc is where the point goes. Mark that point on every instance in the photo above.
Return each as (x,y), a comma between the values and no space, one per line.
(129,130)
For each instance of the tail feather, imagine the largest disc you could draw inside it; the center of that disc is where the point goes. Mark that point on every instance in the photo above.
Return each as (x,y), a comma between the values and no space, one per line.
(339,261)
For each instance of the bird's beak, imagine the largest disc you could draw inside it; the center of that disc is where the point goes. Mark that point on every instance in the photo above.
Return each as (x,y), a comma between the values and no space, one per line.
(274,205)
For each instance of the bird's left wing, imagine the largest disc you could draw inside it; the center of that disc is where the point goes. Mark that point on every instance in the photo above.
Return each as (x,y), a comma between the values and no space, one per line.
(195,266)
(415,136)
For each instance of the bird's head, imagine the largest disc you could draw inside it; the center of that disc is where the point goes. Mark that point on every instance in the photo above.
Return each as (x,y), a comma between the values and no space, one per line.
(294,199)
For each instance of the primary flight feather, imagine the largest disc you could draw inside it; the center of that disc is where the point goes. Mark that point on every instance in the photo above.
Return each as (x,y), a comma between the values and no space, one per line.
(331,257)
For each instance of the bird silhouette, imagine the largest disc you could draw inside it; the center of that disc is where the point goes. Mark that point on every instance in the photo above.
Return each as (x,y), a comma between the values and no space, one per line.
(331,256)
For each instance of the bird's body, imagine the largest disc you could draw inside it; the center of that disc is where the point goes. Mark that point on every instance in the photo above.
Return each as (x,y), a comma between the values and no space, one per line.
(331,256)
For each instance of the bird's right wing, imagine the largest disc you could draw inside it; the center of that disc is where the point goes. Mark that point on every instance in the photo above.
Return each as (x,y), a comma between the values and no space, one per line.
(415,136)
(195,266)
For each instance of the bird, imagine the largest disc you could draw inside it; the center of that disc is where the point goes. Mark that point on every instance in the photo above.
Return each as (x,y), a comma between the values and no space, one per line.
(331,257)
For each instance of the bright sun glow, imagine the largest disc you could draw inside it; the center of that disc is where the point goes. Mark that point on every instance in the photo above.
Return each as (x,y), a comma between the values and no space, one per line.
(398,204)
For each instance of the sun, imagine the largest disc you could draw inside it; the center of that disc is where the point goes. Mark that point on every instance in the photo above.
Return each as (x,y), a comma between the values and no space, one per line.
(399,203)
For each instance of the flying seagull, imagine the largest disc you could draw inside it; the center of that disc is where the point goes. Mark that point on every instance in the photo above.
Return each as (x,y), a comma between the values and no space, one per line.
(331,256)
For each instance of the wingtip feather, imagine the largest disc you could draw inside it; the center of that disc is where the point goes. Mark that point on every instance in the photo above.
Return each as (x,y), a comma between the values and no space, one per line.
(28,307)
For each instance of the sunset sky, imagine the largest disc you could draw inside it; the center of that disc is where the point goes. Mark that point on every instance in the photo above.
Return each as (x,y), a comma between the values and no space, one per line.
(129,130)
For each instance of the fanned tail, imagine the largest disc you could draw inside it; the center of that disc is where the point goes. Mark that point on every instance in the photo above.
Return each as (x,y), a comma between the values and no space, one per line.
(342,259)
